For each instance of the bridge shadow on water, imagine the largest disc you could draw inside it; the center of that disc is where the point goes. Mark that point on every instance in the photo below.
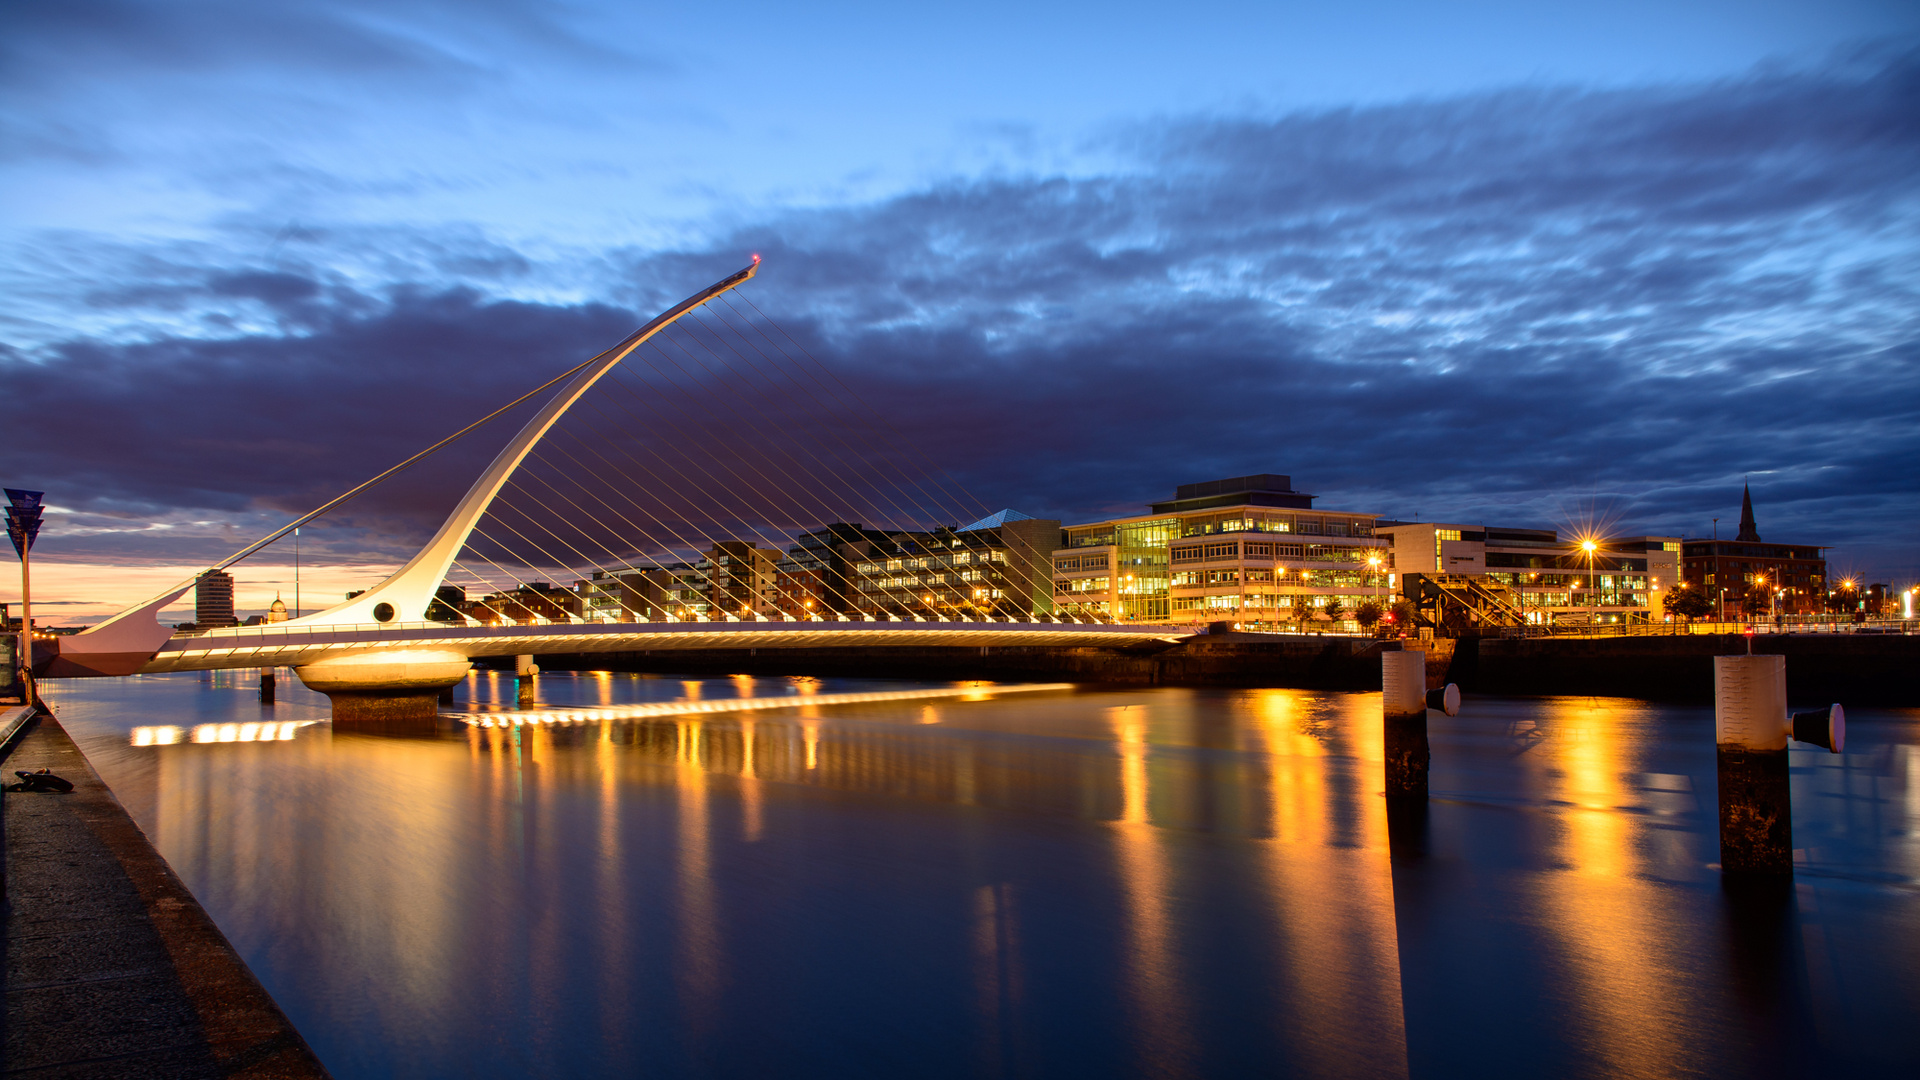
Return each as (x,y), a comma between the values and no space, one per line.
(1152,882)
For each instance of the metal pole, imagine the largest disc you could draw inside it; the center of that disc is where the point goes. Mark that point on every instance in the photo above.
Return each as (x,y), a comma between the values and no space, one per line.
(296,572)
(26,623)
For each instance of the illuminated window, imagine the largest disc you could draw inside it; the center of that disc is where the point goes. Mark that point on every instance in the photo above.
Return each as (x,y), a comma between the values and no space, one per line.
(1446,534)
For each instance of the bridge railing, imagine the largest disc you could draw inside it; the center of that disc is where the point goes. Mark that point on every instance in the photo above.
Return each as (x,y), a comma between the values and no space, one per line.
(280,632)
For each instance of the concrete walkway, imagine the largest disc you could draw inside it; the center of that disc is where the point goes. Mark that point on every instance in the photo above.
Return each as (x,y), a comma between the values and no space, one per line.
(113,969)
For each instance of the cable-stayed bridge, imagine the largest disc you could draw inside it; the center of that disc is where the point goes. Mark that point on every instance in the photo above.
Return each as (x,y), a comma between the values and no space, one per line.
(708,430)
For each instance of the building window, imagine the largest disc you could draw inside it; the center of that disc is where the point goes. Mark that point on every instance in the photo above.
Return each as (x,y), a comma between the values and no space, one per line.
(1446,534)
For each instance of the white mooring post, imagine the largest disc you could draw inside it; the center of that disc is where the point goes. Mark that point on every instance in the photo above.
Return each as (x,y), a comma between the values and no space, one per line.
(1751,727)
(1403,706)
(524,669)
(1404,701)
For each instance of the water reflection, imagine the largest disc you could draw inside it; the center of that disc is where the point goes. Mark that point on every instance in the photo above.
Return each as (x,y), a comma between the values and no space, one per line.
(1155,882)
(1163,1038)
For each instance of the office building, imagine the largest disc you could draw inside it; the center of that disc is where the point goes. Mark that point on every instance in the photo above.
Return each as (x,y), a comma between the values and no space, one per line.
(1509,576)
(1247,549)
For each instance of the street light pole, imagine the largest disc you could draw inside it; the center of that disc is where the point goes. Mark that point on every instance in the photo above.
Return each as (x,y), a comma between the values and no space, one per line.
(1590,547)
(23,524)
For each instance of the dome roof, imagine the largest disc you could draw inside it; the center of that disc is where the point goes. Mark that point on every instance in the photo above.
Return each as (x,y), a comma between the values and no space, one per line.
(277,605)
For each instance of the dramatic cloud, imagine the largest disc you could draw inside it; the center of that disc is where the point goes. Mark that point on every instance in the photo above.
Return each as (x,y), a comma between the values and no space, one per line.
(1523,307)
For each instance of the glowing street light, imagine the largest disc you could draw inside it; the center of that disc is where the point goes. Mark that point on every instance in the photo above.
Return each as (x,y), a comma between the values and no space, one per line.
(1589,546)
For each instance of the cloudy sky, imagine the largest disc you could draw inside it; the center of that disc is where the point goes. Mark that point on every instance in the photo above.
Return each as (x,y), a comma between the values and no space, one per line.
(1520,263)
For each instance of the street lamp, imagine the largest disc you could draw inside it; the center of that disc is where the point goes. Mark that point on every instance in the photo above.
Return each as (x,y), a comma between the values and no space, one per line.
(1590,547)
(1373,561)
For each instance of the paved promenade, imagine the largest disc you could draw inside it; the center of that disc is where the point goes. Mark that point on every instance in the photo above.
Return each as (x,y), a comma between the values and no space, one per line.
(113,969)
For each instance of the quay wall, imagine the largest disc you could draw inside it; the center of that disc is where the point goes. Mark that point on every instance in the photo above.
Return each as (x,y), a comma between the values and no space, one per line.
(1850,669)
(1321,663)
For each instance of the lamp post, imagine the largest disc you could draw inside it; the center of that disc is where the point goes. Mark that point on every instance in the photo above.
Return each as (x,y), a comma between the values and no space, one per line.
(1590,547)
(23,524)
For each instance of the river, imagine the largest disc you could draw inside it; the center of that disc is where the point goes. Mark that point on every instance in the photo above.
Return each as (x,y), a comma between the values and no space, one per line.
(1065,882)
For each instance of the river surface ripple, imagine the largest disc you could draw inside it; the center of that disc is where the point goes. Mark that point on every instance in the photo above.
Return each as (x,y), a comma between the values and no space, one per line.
(1146,882)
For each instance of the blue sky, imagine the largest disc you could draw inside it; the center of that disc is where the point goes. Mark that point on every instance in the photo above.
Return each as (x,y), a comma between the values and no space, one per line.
(1509,259)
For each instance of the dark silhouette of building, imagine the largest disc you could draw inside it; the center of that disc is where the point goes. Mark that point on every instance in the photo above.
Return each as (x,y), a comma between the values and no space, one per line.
(213,600)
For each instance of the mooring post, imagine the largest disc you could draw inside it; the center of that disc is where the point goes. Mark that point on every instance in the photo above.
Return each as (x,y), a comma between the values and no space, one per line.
(1751,727)
(524,669)
(1403,706)
(266,686)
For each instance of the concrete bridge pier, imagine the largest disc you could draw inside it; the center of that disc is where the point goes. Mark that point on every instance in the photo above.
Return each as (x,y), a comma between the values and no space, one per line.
(385,686)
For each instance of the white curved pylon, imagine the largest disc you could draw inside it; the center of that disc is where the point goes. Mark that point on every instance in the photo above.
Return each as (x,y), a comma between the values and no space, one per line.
(407,594)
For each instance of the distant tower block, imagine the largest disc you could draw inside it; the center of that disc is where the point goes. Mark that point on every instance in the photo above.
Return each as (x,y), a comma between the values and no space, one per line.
(213,600)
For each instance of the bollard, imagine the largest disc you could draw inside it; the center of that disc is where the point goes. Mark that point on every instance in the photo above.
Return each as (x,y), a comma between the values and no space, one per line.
(1403,707)
(1756,816)
(524,669)
(266,686)
(1751,727)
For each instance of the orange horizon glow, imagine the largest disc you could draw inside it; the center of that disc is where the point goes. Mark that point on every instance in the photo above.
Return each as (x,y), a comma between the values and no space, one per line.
(72,594)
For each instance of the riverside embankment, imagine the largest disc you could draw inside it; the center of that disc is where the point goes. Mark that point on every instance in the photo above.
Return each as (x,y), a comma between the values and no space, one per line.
(113,969)
(1862,669)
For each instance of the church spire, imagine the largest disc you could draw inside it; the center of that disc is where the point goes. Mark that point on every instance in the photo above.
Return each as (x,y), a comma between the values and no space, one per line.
(1748,530)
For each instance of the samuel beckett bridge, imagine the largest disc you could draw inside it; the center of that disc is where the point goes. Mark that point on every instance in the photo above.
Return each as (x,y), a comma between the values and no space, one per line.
(708,437)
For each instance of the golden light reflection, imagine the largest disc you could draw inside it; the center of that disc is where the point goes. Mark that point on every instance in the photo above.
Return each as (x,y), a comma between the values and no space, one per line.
(752,798)
(1154,981)
(270,731)
(1626,963)
(697,971)
(1344,956)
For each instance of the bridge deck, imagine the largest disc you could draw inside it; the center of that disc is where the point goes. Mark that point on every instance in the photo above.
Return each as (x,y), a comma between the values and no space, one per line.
(291,646)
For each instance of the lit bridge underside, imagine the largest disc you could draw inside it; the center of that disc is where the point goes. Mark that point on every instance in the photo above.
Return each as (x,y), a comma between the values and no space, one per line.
(272,646)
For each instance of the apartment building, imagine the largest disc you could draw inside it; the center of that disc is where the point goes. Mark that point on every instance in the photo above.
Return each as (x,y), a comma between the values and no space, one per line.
(995,567)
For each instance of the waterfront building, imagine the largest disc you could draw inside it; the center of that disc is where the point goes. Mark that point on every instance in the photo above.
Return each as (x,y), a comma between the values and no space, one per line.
(1790,578)
(277,611)
(1250,549)
(741,580)
(1533,575)
(649,594)
(213,600)
(820,573)
(527,605)
(998,566)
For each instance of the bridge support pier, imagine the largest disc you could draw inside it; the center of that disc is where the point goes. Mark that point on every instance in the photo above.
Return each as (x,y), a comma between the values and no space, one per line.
(382,687)
(266,686)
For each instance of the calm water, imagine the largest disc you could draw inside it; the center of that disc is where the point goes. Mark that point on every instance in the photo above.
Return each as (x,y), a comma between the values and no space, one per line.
(1156,882)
